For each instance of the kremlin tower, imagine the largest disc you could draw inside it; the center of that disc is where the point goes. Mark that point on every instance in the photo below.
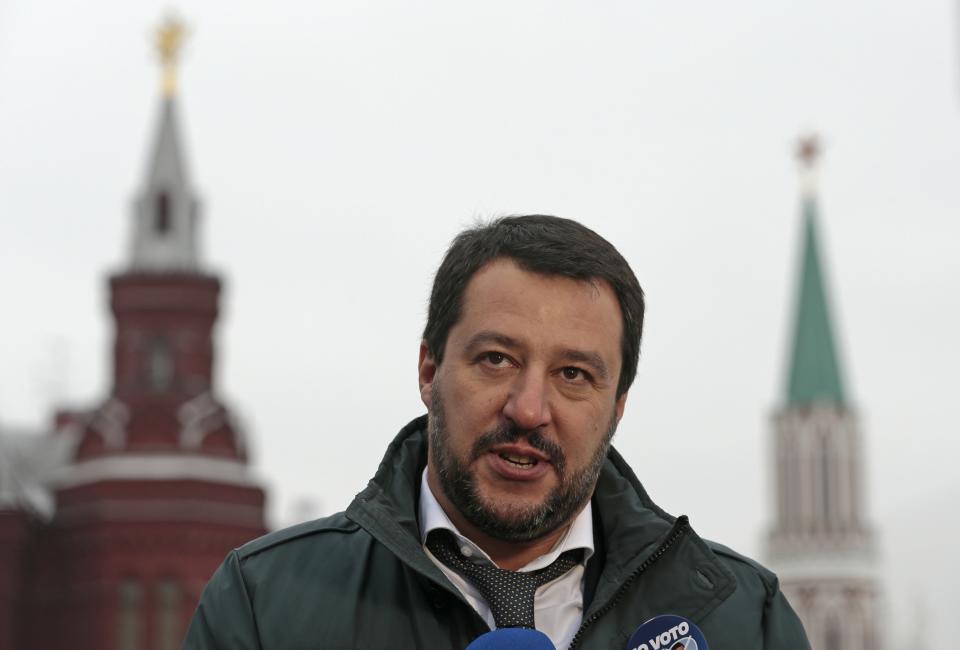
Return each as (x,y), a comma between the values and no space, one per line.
(821,544)
(149,491)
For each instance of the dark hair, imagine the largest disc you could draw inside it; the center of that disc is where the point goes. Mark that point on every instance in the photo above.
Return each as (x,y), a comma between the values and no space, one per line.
(540,244)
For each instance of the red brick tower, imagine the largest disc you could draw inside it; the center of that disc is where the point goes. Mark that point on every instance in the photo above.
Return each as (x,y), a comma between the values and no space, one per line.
(16,528)
(157,490)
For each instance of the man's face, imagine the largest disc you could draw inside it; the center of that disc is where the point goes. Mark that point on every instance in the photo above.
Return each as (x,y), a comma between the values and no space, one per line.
(523,406)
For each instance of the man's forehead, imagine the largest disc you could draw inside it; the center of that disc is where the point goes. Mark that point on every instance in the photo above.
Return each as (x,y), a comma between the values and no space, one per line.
(575,313)
(519,274)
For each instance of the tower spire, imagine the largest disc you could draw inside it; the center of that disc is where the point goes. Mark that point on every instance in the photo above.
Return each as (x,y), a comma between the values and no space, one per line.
(166,210)
(814,374)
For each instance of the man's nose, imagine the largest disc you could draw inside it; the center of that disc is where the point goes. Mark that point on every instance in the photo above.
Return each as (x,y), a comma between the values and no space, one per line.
(527,404)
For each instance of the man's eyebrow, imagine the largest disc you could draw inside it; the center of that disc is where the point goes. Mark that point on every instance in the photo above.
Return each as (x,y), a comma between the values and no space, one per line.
(490,336)
(592,359)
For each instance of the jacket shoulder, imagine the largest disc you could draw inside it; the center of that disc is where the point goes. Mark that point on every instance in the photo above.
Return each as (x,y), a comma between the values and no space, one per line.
(336,523)
(743,566)
(776,624)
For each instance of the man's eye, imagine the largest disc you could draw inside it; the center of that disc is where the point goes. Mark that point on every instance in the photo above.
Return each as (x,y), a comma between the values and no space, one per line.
(571,373)
(495,358)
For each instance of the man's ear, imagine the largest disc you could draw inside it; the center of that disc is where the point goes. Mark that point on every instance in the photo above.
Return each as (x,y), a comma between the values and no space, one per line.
(427,372)
(621,403)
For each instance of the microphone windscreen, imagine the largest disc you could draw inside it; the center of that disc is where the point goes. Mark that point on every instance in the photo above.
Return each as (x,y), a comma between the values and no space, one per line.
(512,638)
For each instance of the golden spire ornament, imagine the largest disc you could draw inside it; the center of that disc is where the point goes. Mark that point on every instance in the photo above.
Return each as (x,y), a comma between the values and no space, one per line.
(808,150)
(169,41)
(808,154)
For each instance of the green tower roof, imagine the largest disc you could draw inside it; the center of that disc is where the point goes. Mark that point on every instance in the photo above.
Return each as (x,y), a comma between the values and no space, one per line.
(814,366)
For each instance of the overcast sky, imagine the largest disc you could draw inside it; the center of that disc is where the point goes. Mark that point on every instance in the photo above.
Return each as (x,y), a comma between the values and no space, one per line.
(339,146)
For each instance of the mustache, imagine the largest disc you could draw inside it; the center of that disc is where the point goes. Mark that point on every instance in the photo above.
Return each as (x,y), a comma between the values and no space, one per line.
(510,432)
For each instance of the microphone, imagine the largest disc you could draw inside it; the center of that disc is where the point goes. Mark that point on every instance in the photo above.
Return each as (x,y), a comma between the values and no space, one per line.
(512,638)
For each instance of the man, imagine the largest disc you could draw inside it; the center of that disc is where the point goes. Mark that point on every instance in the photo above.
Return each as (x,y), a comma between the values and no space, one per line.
(505,506)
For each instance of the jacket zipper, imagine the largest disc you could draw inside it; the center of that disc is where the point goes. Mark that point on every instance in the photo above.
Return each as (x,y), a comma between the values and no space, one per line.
(682,526)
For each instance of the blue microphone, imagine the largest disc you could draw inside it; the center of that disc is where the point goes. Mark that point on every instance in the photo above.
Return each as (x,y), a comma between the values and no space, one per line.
(512,638)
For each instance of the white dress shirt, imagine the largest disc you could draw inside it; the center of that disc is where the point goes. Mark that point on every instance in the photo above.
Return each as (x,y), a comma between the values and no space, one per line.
(557,605)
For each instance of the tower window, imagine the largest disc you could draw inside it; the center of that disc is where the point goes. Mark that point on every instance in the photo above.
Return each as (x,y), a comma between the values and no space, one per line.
(159,365)
(168,615)
(161,221)
(130,615)
(833,638)
(826,483)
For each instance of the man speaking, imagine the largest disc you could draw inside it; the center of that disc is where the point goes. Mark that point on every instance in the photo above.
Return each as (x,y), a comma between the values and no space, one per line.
(505,506)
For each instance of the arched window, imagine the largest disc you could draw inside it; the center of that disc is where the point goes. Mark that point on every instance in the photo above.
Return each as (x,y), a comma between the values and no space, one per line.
(169,636)
(130,615)
(159,364)
(783,489)
(833,639)
(161,221)
(826,482)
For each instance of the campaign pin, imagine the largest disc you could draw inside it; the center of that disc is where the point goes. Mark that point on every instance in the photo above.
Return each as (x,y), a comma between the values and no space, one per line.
(667,632)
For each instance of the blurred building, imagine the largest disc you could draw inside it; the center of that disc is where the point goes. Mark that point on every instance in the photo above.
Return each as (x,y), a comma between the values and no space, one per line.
(111,524)
(821,543)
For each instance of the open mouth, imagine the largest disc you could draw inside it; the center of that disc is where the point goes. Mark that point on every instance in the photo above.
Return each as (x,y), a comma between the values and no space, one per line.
(519,461)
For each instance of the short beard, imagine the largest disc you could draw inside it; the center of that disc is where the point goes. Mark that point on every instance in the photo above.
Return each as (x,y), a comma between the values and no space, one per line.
(519,523)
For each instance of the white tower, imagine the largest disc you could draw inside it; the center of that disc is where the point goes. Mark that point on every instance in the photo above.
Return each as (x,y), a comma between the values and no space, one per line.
(821,544)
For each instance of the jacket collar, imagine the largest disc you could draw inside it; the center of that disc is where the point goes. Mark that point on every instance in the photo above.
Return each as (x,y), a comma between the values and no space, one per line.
(387,507)
(633,528)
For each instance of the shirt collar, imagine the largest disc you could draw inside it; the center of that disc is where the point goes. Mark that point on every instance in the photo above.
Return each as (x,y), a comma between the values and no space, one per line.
(578,535)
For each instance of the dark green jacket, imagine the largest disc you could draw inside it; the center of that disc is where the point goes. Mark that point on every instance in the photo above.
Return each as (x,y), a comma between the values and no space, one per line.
(360,579)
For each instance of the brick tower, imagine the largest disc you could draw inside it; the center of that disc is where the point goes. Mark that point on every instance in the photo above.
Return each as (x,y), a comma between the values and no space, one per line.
(156,489)
(821,544)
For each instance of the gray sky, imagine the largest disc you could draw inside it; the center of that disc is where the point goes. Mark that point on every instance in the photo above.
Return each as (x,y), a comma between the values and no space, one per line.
(338,146)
